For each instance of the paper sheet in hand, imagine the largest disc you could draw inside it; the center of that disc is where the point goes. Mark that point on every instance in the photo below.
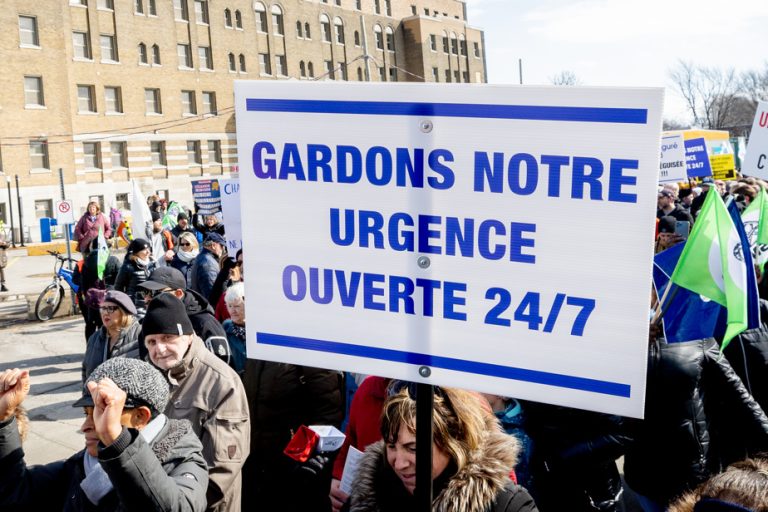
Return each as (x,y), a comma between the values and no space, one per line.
(351,468)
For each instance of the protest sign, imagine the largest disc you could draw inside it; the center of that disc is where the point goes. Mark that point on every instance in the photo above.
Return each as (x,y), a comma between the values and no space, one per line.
(722,159)
(756,160)
(230,211)
(453,235)
(207,196)
(697,160)
(672,164)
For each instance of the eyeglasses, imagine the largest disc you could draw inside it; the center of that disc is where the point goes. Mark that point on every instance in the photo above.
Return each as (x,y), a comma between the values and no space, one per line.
(154,293)
(108,309)
(186,244)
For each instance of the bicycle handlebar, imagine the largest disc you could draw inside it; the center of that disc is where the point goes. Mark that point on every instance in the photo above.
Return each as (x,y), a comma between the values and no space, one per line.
(62,258)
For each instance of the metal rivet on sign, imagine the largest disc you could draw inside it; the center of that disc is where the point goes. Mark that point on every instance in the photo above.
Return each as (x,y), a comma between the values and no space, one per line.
(425,125)
(425,371)
(423,262)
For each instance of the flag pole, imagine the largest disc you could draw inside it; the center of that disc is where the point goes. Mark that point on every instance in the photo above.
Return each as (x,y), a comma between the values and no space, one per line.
(659,313)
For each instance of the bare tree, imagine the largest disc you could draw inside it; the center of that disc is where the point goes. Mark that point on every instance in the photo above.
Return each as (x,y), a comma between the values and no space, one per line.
(674,124)
(754,84)
(710,93)
(565,78)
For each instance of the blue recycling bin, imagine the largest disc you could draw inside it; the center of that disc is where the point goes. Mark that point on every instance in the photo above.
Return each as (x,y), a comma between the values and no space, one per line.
(46,223)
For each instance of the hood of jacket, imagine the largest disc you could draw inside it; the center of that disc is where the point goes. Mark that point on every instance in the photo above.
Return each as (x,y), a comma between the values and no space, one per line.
(195,303)
(472,488)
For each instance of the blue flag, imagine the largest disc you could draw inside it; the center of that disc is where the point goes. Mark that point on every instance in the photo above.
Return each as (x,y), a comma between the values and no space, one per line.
(753,297)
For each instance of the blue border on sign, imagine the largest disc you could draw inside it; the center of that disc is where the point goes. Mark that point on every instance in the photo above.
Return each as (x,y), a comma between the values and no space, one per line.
(394,108)
(448,363)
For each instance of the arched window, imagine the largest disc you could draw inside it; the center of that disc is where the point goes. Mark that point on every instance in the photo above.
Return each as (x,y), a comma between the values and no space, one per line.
(454,44)
(277,20)
(311,70)
(227,18)
(359,74)
(302,69)
(143,54)
(261,16)
(307,33)
(155,54)
(462,45)
(390,39)
(325,28)
(232,66)
(446,47)
(242,63)
(299,30)
(357,38)
(378,36)
(339,26)
(238,19)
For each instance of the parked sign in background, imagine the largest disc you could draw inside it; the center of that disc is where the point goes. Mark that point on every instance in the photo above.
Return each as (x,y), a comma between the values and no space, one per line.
(453,235)
(696,158)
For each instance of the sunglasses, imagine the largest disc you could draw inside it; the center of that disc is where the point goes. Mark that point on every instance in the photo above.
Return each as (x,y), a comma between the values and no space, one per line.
(108,309)
(154,293)
(187,244)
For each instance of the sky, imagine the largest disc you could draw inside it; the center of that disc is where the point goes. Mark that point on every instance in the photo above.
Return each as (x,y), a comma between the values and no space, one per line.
(619,42)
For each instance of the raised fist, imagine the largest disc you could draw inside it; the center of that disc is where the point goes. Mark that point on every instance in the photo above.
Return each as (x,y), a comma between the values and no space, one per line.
(14,387)
(108,403)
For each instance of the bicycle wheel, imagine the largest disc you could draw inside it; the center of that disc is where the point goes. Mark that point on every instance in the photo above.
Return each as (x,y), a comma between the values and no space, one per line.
(49,301)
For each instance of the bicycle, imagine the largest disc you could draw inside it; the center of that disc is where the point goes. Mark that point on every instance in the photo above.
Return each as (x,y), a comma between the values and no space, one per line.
(51,298)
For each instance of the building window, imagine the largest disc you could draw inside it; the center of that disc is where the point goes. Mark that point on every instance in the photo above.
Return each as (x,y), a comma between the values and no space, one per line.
(28,31)
(382,74)
(311,70)
(426,11)
(155,55)
(204,56)
(142,53)
(38,154)
(338,2)
(261,17)
(227,18)
(282,67)
(122,202)
(328,69)
(456,77)
(152,7)
(113,100)
(214,151)
(435,75)
(85,99)
(446,48)
(447,75)
(325,28)
(266,69)
(188,105)
(118,155)
(108,48)
(454,45)
(302,69)
(390,39)
(359,5)
(157,150)
(209,102)
(299,30)
(277,21)
(241,58)
(476,49)
(413,10)
(152,101)
(359,74)
(377,6)
(388,7)
(307,33)
(193,152)
(201,11)
(465,76)
(238,20)
(80,45)
(342,67)
(463,46)
(185,55)
(339,26)
(91,155)
(139,6)
(433,42)
(43,208)
(379,37)
(232,63)
(357,38)
(392,75)
(33,91)
(180,12)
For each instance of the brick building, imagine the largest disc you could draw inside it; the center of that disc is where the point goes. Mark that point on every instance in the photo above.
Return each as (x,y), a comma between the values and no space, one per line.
(113,90)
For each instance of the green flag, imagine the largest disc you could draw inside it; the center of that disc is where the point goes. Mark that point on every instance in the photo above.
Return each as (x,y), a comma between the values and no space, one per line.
(755,218)
(103,254)
(712,264)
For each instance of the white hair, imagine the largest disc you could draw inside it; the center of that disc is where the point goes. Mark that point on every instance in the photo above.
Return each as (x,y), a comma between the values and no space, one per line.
(235,292)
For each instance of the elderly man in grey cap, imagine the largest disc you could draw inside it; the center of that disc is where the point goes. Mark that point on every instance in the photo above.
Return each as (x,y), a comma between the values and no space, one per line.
(135,458)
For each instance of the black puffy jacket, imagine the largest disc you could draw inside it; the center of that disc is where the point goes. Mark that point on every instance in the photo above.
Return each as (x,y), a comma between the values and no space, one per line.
(130,276)
(748,355)
(692,397)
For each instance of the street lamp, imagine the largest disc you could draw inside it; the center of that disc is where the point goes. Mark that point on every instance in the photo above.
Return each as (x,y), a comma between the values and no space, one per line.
(10,208)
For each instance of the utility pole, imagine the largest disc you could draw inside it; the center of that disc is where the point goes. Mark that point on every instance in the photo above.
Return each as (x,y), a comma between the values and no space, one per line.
(21,215)
(10,208)
(66,237)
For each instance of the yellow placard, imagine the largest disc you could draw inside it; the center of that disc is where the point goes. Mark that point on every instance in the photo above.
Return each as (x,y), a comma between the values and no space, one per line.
(723,167)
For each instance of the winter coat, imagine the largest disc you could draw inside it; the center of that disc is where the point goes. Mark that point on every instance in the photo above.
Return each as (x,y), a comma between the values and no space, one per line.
(168,474)
(177,231)
(86,230)
(482,485)
(573,462)
(236,347)
(97,350)
(185,267)
(130,276)
(748,355)
(692,396)
(282,397)
(208,393)
(205,268)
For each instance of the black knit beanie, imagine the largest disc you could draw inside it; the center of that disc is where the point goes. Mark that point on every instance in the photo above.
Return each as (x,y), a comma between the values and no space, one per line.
(166,315)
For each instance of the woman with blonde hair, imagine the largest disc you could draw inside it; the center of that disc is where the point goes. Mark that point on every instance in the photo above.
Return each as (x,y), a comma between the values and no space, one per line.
(471,458)
(188,251)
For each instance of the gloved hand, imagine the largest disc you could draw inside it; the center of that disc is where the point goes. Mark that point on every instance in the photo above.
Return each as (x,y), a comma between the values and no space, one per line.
(315,467)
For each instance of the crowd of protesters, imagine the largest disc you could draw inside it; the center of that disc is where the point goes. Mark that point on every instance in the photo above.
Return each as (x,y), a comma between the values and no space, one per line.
(178,418)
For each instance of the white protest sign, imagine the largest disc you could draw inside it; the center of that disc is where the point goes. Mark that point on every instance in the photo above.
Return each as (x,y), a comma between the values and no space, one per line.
(756,161)
(672,163)
(230,212)
(453,234)
(64,212)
